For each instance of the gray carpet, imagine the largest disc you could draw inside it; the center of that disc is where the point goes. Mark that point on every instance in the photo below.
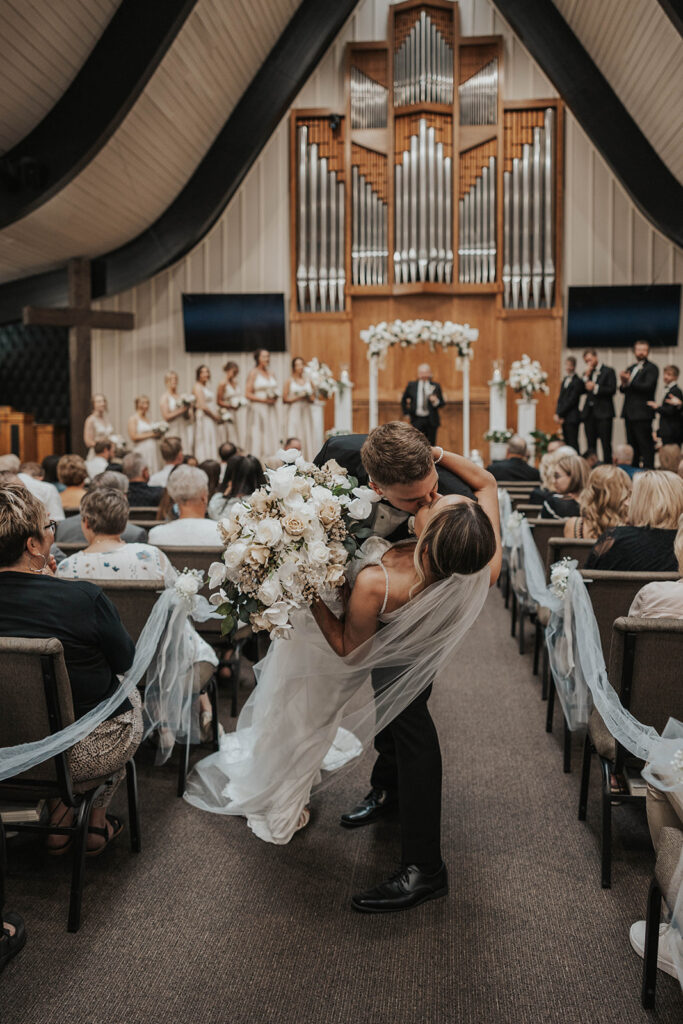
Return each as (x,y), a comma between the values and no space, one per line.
(208,925)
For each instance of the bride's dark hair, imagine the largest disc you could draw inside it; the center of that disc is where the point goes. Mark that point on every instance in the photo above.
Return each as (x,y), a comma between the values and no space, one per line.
(458,540)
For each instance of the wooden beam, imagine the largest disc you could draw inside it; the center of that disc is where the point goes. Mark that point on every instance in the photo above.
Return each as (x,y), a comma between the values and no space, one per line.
(73,317)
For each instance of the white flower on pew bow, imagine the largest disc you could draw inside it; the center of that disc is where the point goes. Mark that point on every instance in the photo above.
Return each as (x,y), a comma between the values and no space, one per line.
(188,584)
(288,543)
(406,333)
(559,576)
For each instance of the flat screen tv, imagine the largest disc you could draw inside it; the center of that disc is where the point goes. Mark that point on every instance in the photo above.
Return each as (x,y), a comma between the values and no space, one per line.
(618,315)
(234,323)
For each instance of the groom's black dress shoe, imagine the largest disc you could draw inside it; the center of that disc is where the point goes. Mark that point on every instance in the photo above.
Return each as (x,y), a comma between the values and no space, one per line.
(407,889)
(377,804)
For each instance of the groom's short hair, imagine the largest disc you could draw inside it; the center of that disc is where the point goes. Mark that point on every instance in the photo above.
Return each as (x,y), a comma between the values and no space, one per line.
(396,453)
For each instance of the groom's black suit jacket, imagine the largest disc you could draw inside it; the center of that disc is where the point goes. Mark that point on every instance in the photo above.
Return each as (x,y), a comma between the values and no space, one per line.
(345,448)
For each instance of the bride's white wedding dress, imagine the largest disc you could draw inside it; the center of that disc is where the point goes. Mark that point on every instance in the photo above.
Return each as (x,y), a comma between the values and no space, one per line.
(313,712)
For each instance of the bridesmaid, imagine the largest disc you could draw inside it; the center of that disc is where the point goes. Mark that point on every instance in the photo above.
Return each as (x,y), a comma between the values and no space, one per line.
(143,437)
(97,426)
(180,417)
(226,396)
(263,438)
(298,396)
(207,419)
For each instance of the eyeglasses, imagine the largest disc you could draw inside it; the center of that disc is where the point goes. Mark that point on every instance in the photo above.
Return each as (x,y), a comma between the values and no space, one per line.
(51,525)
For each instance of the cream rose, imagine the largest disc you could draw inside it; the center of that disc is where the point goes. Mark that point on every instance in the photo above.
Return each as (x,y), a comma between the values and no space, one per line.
(338,553)
(268,531)
(235,553)
(258,554)
(329,512)
(334,574)
(318,552)
(270,591)
(294,524)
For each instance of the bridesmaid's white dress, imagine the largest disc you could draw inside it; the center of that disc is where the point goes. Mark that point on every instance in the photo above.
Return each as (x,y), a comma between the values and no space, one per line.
(180,427)
(264,436)
(231,431)
(300,419)
(102,430)
(206,430)
(149,448)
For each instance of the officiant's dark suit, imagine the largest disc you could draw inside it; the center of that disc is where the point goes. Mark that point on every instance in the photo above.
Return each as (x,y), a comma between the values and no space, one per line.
(424,414)
(408,747)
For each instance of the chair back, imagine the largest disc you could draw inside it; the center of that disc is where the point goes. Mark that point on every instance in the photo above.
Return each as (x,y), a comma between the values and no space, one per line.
(144,524)
(143,513)
(521,486)
(193,557)
(72,546)
(36,701)
(134,600)
(520,504)
(645,662)
(611,595)
(568,547)
(544,529)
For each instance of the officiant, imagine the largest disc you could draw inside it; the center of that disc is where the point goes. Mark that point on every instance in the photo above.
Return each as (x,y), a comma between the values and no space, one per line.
(421,401)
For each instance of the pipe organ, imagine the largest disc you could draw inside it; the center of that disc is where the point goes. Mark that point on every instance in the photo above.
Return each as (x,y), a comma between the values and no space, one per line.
(426,179)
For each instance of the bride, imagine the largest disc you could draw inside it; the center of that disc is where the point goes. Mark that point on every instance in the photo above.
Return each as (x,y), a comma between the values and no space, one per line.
(323,694)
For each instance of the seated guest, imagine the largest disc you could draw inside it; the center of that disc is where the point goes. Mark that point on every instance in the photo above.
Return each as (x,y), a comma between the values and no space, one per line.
(546,469)
(140,494)
(42,490)
(622,457)
(603,503)
(663,600)
(72,472)
(32,469)
(9,463)
(569,479)
(49,464)
(105,451)
(670,457)
(244,475)
(646,544)
(226,452)
(514,466)
(188,487)
(293,442)
(189,460)
(104,514)
(172,453)
(212,468)
(69,531)
(34,603)
(590,457)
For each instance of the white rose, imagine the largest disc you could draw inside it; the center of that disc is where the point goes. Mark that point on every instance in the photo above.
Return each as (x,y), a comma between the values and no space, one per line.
(305,467)
(318,552)
(359,508)
(288,455)
(187,584)
(258,554)
(258,621)
(334,574)
(338,553)
(268,531)
(314,531)
(367,494)
(235,553)
(281,480)
(295,524)
(270,591)
(216,574)
(259,500)
(277,614)
(229,529)
(302,486)
(287,572)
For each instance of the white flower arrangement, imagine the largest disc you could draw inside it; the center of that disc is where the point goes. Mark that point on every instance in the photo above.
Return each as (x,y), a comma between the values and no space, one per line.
(237,402)
(188,584)
(527,377)
(159,427)
(406,333)
(321,378)
(226,416)
(498,436)
(288,543)
(559,576)
(188,399)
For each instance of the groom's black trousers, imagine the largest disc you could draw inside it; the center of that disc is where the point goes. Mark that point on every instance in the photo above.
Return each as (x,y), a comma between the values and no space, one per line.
(409,767)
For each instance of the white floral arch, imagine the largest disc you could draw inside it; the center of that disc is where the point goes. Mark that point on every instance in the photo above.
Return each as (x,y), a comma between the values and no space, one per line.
(381,337)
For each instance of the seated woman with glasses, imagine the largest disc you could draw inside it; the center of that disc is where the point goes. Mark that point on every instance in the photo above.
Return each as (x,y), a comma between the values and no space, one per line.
(36,604)
(104,515)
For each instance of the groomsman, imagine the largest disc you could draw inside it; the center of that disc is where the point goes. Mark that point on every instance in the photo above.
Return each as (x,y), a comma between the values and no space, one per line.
(638,384)
(567,409)
(422,400)
(600,385)
(670,430)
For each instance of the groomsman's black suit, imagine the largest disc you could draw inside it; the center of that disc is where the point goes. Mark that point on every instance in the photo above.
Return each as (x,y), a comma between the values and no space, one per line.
(427,424)
(598,412)
(637,413)
(567,408)
(670,428)
(408,748)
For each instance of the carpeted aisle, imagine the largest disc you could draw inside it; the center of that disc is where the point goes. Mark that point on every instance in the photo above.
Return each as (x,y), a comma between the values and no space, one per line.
(210,926)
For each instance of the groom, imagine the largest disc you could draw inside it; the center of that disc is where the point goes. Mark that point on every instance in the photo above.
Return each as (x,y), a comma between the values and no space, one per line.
(398,462)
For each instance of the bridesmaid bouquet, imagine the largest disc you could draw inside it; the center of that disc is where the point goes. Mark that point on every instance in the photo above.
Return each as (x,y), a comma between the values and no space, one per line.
(288,543)
(226,416)
(160,427)
(321,378)
(237,402)
(188,400)
(273,392)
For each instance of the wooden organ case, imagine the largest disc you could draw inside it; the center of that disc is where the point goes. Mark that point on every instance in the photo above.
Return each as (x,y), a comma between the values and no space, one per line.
(428,196)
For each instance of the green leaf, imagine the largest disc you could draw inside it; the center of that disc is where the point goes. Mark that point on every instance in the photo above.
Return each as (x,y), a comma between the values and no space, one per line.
(350,545)
(362,533)
(228,625)
(353,480)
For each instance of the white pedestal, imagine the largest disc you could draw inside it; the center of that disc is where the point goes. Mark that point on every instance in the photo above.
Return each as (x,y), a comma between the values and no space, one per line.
(343,405)
(465,364)
(497,414)
(318,413)
(526,421)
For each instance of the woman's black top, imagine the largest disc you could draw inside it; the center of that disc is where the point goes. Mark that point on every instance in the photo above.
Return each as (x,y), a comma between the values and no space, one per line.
(81,616)
(634,549)
(557,507)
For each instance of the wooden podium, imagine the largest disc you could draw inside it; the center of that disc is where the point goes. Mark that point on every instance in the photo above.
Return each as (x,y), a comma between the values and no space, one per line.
(20,435)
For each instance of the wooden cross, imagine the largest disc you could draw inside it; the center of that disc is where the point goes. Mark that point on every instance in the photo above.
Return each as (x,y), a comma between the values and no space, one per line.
(80,319)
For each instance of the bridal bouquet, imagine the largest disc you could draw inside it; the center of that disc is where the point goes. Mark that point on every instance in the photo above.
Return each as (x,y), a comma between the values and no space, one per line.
(160,427)
(288,543)
(527,377)
(321,378)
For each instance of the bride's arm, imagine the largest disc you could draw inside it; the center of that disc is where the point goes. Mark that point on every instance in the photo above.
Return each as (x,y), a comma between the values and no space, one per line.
(359,622)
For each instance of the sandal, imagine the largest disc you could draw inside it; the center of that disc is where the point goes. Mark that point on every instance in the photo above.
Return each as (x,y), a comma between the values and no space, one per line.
(117,828)
(304,819)
(62,848)
(10,945)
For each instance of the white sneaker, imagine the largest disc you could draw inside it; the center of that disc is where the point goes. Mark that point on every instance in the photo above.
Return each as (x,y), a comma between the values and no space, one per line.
(665,960)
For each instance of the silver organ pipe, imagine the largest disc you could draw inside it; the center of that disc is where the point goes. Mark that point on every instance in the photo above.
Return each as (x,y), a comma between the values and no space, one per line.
(528,219)
(477,228)
(320,275)
(478,96)
(422,220)
(369,101)
(423,66)
(369,237)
